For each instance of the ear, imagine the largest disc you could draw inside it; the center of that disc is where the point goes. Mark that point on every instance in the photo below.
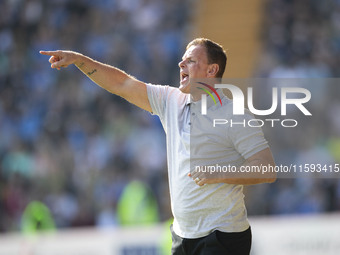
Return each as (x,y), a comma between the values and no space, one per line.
(213,70)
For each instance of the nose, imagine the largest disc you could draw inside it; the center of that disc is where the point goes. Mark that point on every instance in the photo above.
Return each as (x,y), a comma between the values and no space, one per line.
(181,64)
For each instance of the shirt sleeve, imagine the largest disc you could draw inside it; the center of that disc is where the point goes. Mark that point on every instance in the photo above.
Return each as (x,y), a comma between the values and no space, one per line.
(157,95)
(247,139)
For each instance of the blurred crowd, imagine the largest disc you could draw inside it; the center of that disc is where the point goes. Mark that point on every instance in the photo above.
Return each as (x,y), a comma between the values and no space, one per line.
(64,141)
(74,146)
(301,39)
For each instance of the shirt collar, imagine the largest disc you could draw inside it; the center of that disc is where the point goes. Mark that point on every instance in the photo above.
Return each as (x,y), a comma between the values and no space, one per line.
(189,99)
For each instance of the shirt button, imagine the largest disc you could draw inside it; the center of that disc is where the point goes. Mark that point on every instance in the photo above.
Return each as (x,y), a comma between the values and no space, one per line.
(193,114)
(189,123)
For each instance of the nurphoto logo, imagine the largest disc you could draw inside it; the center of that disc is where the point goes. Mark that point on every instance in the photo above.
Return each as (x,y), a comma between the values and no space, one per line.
(301,97)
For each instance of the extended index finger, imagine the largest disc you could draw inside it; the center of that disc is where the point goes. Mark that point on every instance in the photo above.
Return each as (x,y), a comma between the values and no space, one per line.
(49,53)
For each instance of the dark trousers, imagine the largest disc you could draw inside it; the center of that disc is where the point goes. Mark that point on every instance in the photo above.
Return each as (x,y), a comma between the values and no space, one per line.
(216,243)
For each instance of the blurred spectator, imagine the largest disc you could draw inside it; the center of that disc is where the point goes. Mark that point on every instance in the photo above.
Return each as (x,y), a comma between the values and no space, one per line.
(301,40)
(65,141)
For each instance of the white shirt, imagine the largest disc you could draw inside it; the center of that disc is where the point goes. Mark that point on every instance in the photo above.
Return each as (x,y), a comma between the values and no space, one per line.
(199,210)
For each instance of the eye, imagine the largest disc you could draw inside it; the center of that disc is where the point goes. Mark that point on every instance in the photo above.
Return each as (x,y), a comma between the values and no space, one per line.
(191,61)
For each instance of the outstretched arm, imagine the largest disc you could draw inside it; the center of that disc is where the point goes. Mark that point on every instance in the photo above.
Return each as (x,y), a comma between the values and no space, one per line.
(108,77)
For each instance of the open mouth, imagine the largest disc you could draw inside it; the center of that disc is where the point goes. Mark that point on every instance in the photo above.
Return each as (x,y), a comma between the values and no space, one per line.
(184,77)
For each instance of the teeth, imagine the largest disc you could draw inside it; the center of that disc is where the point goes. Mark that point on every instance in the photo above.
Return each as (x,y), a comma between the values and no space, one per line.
(184,76)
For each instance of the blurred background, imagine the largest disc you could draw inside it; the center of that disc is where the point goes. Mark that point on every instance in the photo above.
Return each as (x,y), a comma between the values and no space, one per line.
(79,151)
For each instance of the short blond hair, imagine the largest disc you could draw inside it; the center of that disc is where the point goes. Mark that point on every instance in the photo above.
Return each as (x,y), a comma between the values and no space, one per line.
(215,52)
